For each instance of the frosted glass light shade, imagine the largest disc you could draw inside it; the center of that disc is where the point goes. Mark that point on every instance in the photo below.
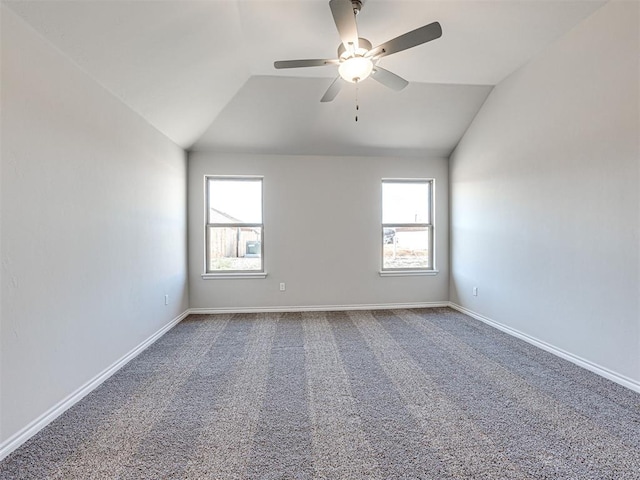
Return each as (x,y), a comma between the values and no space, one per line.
(355,69)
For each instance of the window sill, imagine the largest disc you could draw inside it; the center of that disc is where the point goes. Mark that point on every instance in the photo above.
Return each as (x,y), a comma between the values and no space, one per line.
(408,273)
(233,275)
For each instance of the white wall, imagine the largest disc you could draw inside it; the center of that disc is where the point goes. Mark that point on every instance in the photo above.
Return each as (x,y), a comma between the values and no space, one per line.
(93,228)
(322,232)
(544,197)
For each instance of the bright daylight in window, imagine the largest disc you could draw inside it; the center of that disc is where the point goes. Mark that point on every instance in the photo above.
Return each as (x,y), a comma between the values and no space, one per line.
(407,225)
(234,225)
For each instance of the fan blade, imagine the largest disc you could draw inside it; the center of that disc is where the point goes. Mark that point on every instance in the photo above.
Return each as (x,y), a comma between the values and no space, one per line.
(389,79)
(345,20)
(332,91)
(410,39)
(304,63)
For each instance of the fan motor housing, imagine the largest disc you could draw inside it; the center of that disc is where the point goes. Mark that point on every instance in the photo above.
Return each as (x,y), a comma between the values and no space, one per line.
(364,46)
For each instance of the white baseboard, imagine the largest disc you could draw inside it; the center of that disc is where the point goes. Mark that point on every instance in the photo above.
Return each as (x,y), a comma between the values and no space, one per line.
(54,412)
(318,308)
(584,363)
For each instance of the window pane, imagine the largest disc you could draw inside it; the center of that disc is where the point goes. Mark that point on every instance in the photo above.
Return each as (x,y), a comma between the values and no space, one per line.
(406,247)
(235,200)
(405,202)
(235,249)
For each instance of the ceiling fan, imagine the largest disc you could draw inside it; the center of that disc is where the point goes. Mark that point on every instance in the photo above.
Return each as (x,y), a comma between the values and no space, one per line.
(357,60)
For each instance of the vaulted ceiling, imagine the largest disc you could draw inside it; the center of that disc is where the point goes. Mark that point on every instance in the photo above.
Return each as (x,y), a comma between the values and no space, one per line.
(202,72)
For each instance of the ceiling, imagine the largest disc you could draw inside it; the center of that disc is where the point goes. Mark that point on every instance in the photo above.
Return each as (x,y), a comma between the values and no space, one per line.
(202,72)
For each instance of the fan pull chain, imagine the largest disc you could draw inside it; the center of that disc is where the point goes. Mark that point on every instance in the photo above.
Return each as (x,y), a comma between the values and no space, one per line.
(357,106)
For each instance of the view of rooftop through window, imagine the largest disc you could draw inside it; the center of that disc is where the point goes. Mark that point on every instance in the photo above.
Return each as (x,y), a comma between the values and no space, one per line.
(237,199)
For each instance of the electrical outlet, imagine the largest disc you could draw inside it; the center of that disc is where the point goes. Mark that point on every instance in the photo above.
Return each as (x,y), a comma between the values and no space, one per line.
(166,299)
(283,287)
(475,291)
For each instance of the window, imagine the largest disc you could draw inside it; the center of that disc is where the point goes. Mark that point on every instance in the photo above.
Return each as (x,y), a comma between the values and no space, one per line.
(234,227)
(407,226)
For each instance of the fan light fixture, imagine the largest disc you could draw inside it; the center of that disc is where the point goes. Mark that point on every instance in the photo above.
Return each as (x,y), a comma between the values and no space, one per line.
(355,69)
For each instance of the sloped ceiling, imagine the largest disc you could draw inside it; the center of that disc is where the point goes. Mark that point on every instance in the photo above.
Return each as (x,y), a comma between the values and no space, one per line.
(202,72)
(271,112)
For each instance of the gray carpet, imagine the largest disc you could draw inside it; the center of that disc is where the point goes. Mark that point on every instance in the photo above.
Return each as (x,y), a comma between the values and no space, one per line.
(415,394)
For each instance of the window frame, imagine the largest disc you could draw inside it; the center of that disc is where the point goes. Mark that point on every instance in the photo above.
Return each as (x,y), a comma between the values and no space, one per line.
(430,226)
(222,274)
